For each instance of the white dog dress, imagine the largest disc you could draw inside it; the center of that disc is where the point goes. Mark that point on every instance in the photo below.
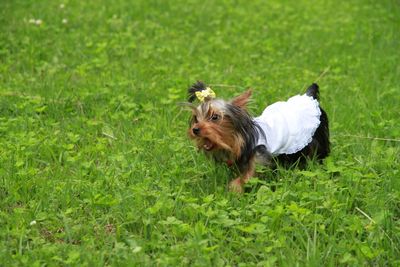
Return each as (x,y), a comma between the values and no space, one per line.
(289,126)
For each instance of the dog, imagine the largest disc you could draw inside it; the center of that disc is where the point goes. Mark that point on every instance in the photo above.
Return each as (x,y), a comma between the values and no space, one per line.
(287,132)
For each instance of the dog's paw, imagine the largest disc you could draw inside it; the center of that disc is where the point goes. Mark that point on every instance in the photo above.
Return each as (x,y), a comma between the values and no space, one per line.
(236,186)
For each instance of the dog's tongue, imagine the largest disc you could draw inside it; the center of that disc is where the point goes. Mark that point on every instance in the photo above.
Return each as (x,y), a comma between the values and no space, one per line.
(208,145)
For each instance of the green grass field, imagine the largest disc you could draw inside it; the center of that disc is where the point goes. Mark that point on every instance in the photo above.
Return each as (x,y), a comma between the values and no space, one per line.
(95,165)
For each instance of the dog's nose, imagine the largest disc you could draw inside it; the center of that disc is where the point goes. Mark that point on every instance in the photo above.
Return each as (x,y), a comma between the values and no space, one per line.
(196,130)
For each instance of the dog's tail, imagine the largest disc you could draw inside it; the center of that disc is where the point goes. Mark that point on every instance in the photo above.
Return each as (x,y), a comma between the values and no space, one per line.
(313,91)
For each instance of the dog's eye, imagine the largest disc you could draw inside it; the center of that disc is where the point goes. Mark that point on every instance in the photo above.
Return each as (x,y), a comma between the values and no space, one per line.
(215,117)
(195,119)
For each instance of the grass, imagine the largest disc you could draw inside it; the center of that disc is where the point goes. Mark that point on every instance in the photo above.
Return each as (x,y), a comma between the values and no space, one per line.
(95,165)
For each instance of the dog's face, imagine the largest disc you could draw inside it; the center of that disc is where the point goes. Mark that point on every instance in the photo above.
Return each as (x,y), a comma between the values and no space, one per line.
(217,125)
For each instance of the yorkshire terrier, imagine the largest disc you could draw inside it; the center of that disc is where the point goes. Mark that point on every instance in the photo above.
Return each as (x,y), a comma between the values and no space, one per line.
(287,132)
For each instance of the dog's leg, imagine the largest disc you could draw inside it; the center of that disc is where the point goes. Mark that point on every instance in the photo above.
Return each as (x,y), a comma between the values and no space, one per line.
(237,184)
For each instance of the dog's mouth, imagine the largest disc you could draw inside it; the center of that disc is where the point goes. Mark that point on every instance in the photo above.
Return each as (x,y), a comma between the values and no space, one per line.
(208,145)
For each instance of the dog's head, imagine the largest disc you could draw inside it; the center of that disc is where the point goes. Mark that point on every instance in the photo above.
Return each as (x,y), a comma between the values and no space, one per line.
(217,125)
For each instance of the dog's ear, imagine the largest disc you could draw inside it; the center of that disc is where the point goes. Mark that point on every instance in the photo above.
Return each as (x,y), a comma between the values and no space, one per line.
(242,100)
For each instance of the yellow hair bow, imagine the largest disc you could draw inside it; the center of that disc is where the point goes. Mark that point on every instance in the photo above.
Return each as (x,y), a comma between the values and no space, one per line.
(204,94)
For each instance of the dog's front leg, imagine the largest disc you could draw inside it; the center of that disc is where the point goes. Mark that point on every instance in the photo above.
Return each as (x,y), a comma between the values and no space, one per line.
(237,184)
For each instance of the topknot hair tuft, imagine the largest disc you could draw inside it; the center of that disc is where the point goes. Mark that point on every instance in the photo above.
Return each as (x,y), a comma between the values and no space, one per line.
(196,87)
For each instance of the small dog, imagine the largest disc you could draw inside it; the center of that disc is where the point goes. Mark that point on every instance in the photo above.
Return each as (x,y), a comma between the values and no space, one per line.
(286,132)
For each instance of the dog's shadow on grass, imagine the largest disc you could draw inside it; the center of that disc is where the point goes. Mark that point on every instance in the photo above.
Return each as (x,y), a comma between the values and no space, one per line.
(216,178)
(263,177)
(274,175)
